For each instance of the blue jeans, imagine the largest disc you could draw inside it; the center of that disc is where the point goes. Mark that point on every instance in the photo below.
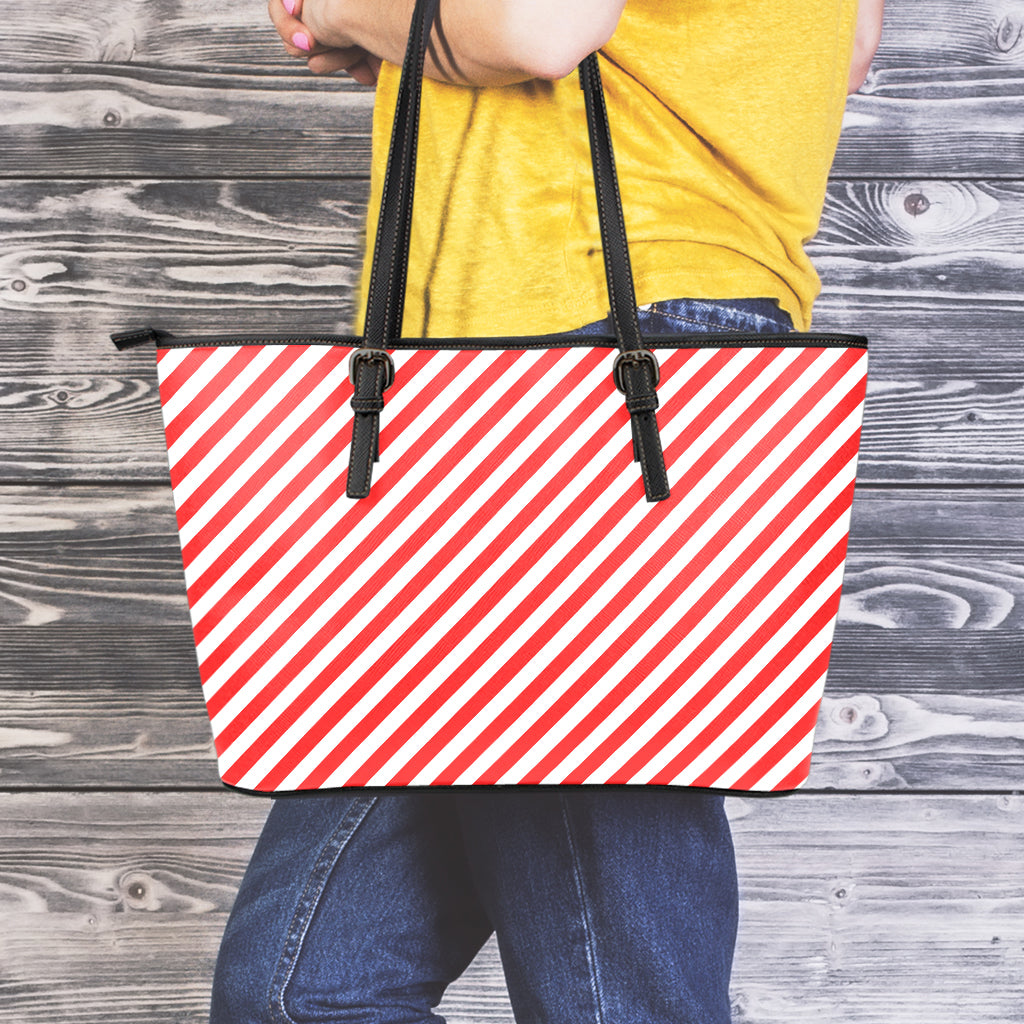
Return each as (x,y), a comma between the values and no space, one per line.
(615,905)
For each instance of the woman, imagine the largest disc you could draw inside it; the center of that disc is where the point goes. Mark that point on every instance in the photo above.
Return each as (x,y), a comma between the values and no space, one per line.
(609,904)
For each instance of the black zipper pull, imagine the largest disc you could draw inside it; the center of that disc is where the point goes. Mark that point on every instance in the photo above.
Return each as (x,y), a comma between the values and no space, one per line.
(142,336)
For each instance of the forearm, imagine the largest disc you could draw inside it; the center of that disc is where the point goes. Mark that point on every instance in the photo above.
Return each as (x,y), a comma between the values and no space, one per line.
(478,42)
(868,35)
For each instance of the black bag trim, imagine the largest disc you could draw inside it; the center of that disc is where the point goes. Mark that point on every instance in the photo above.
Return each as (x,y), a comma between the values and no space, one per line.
(745,339)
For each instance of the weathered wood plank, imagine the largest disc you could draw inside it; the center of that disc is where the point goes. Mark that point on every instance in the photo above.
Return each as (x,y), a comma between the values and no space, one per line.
(81,258)
(123,119)
(948,34)
(882,872)
(103,706)
(135,248)
(884,226)
(953,338)
(926,690)
(120,120)
(949,336)
(929,240)
(105,426)
(119,251)
(882,908)
(933,557)
(125,898)
(112,558)
(966,123)
(909,708)
(169,33)
(187,33)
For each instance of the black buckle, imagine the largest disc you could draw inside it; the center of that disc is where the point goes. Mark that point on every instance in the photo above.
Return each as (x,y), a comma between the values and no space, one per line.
(360,355)
(640,355)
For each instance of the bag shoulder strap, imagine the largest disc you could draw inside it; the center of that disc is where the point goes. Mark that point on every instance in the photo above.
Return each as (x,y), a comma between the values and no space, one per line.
(635,369)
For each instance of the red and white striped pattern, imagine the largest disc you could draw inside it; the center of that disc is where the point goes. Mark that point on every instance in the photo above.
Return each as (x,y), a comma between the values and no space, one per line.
(506,607)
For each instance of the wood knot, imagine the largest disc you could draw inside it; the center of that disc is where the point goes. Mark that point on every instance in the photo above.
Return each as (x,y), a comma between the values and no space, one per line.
(111,118)
(739,1006)
(19,285)
(856,719)
(1008,34)
(138,891)
(916,204)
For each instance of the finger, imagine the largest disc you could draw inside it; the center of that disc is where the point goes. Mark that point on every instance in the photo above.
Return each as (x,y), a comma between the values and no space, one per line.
(298,40)
(282,20)
(363,73)
(352,59)
(303,45)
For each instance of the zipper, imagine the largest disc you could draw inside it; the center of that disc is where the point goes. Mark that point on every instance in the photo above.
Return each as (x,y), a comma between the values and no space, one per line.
(164,339)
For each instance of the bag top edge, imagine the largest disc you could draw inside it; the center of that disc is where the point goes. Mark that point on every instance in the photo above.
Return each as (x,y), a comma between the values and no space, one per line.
(543,341)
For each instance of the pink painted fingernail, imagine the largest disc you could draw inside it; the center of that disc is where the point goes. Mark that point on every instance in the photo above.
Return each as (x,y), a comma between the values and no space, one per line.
(289,6)
(301,40)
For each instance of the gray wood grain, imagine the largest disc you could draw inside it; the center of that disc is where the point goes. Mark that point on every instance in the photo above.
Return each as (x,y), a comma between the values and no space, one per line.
(959,123)
(926,689)
(137,248)
(939,34)
(934,34)
(121,119)
(105,426)
(953,336)
(83,258)
(94,555)
(102,707)
(847,904)
(167,161)
(170,33)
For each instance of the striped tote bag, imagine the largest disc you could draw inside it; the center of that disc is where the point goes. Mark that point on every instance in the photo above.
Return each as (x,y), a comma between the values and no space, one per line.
(603,560)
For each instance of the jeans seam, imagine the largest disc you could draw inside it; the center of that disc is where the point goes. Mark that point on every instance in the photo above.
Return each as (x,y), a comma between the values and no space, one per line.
(307,905)
(588,931)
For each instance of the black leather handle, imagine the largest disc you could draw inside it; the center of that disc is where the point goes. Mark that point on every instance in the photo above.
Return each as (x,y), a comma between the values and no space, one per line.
(635,370)
(370,366)
(386,296)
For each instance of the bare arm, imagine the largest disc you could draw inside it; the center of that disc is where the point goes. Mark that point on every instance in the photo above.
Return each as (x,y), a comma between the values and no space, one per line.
(481,42)
(865,43)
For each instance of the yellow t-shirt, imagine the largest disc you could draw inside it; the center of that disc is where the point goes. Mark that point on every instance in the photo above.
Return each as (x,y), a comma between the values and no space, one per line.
(725,116)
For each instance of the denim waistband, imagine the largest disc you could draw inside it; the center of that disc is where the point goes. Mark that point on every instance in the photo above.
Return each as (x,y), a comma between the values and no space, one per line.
(760,315)
(683,316)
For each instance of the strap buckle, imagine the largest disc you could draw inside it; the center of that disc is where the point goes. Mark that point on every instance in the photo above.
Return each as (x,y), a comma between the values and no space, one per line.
(360,355)
(639,355)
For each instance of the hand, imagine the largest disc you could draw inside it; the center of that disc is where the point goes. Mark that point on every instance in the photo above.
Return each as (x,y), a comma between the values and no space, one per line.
(338,53)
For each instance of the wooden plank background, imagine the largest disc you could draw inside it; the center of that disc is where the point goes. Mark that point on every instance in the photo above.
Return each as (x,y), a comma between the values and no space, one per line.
(162,160)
